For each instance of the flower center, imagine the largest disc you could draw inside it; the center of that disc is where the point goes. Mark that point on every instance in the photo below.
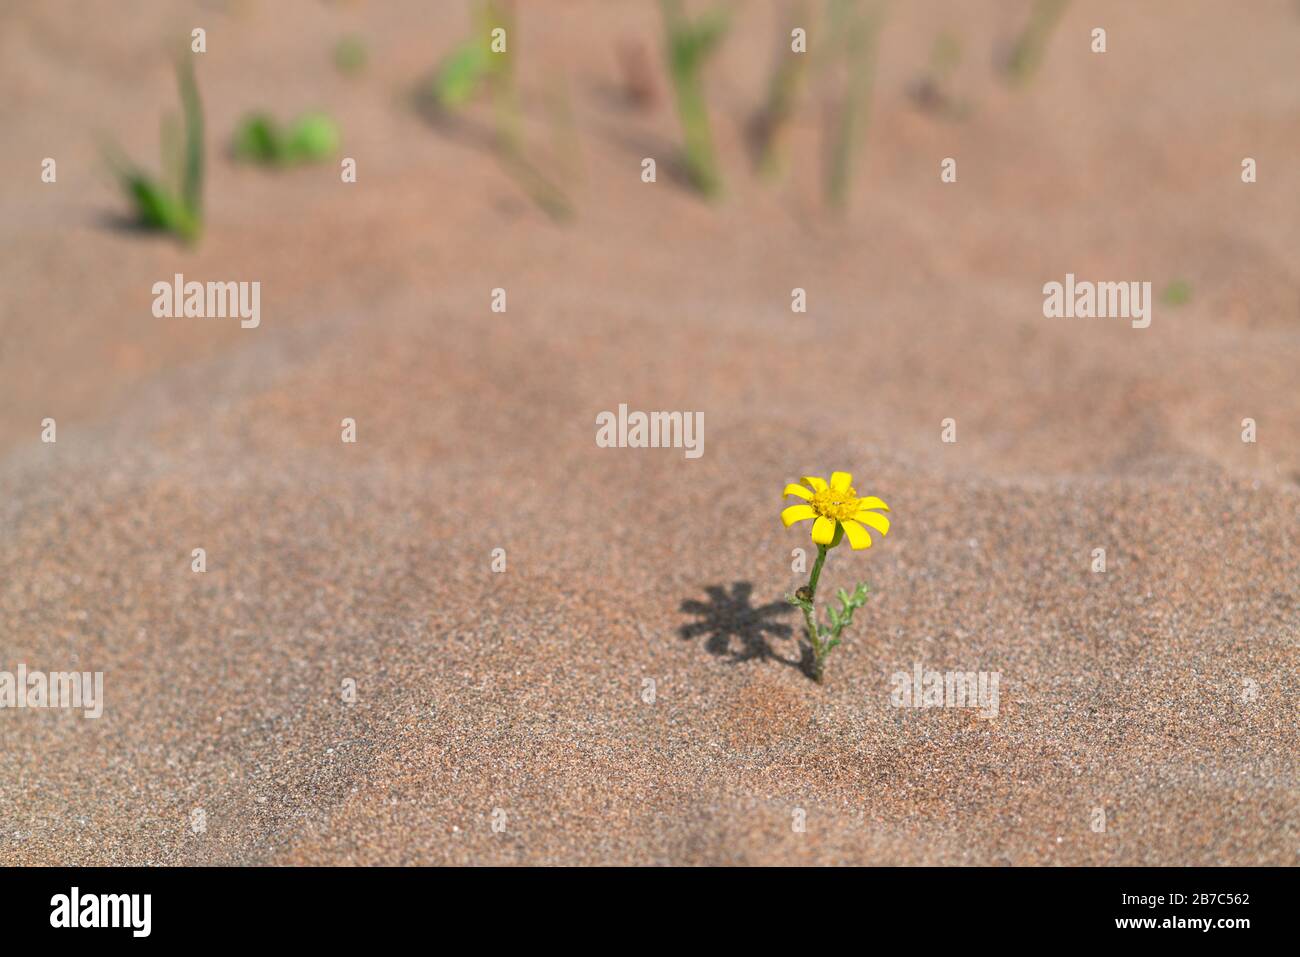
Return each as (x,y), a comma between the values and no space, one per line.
(838,505)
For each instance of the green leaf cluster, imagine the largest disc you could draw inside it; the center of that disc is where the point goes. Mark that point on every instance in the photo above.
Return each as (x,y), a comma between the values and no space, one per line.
(312,138)
(172,202)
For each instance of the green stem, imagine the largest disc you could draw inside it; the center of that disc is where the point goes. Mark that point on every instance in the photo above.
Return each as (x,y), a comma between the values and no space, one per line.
(698,147)
(860,53)
(689,45)
(783,91)
(810,615)
(1027,54)
(192,171)
(816,572)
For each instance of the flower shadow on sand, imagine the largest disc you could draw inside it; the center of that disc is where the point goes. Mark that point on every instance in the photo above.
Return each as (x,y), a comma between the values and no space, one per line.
(736,629)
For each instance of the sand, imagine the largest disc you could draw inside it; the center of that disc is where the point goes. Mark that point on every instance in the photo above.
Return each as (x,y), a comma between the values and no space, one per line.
(501,717)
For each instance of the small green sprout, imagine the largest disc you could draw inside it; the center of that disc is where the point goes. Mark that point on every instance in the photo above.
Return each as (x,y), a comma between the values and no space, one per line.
(350,55)
(769,125)
(473,65)
(690,43)
(481,64)
(825,639)
(312,138)
(860,31)
(174,202)
(500,79)
(1177,293)
(460,75)
(1029,49)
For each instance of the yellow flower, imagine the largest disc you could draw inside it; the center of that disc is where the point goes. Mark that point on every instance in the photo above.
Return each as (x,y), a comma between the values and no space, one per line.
(835,506)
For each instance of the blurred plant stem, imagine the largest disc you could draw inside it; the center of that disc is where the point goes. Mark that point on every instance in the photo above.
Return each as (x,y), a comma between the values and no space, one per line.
(860,30)
(690,43)
(172,201)
(1027,53)
(502,82)
(771,122)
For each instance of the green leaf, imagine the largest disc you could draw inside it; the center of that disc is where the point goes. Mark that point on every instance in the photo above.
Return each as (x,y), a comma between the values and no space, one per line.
(158,208)
(259,140)
(461,73)
(174,201)
(314,137)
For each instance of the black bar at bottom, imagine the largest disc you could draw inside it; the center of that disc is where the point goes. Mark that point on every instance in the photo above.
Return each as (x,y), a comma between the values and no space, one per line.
(940,906)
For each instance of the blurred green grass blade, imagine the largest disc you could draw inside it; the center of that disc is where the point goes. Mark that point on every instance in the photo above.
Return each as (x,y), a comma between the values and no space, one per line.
(550,198)
(689,44)
(158,208)
(257,138)
(862,35)
(1029,49)
(192,181)
(460,74)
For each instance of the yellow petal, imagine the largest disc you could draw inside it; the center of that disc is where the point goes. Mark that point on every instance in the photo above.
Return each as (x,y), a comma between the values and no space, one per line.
(814,482)
(797,513)
(796,490)
(823,529)
(841,480)
(875,520)
(872,502)
(856,534)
